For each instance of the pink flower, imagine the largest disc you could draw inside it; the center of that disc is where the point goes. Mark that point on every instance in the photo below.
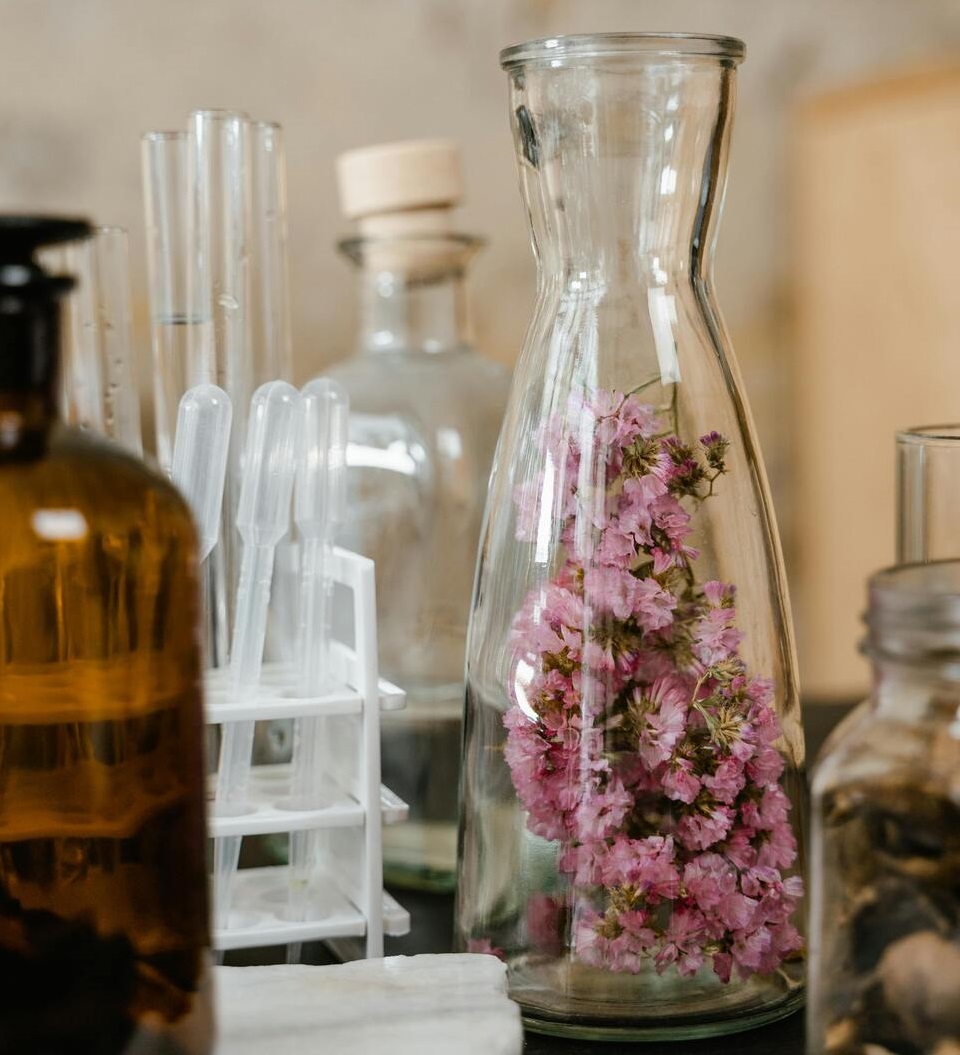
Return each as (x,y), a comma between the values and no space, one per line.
(764,949)
(616,548)
(664,706)
(671,519)
(647,864)
(774,807)
(779,900)
(542,771)
(715,638)
(719,594)
(726,783)
(653,605)
(708,879)
(609,589)
(779,849)
(636,923)
(636,419)
(619,953)
(682,942)
(679,781)
(635,518)
(740,850)
(736,911)
(761,693)
(699,831)
(765,768)
(602,812)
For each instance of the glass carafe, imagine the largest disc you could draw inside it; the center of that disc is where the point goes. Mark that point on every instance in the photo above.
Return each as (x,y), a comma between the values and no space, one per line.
(633,768)
(425,412)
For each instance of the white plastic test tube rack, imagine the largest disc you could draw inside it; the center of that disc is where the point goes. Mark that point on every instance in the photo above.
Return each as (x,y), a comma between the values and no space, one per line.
(346,899)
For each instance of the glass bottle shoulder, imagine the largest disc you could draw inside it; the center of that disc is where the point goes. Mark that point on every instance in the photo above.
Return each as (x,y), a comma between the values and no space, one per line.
(82,483)
(422,381)
(873,744)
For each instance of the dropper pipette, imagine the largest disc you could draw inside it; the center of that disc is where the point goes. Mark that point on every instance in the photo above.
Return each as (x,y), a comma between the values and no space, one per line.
(318,509)
(263,518)
(200,458)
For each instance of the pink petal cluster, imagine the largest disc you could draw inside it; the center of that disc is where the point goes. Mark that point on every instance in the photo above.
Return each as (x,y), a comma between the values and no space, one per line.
(637,738)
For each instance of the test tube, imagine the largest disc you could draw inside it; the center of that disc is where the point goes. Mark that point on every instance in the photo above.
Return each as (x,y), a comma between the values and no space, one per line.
(83,378)
(263,517)
(218,298)
(271,346)
(318,509)
(98,385)
(114,329)
(165,196)
(218,276)
(272,350)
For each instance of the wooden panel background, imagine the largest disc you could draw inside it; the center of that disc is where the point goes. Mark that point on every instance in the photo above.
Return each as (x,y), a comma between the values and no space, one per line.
(875,245)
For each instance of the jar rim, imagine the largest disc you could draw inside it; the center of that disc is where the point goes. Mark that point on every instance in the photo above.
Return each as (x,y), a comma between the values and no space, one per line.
(565,50)
(921,434)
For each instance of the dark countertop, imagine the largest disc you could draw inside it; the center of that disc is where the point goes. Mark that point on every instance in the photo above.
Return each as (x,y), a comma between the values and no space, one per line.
(432,931)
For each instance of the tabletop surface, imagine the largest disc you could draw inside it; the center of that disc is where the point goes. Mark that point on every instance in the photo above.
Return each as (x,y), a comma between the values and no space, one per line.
(433,932)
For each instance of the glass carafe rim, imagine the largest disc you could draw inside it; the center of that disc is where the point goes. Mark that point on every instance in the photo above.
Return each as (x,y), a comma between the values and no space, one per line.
(567,50)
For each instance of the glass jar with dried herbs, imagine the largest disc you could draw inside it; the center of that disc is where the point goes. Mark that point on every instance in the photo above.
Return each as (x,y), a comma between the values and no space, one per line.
(885,915)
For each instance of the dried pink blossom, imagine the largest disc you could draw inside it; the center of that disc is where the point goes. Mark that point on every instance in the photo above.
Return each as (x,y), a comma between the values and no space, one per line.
(637,740)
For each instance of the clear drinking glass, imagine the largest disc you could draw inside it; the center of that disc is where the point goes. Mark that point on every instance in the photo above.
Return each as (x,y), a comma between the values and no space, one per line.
(885,867)
(633,767)
(425,410)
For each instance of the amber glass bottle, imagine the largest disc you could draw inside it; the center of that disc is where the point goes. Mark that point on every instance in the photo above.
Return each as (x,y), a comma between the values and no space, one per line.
(103,891)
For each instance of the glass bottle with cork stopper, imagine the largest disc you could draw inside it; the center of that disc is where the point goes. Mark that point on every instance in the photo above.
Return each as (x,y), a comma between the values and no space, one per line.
(425,415)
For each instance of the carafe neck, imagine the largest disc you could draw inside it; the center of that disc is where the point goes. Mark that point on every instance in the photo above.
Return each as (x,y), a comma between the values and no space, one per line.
(623,165)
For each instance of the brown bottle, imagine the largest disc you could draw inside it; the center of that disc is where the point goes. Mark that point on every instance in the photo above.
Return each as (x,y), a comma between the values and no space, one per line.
(103,888)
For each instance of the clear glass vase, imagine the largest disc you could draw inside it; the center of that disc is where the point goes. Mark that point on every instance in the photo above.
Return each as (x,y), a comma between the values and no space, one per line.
(885,866)
(633,768)
(425,412)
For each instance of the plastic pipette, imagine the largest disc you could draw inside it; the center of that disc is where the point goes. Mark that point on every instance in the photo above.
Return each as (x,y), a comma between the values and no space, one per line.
(318,509)
(200,457)
(263,517)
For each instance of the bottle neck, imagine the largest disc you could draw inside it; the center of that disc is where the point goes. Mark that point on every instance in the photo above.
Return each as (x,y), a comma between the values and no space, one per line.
(623,167)
(26,419)
(915,692)
(29,370)
(413,294)
(913,640)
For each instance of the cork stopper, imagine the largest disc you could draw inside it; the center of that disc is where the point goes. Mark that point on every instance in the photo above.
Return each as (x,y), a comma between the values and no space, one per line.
(401,189)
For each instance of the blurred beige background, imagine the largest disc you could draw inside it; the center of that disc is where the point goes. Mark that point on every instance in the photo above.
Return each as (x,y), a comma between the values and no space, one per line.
(83,79)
